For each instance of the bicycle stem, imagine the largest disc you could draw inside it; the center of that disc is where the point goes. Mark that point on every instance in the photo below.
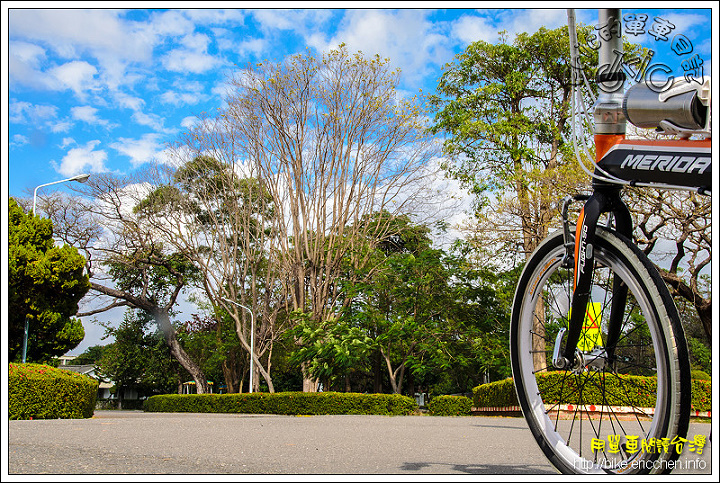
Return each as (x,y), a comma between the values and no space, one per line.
(609,129)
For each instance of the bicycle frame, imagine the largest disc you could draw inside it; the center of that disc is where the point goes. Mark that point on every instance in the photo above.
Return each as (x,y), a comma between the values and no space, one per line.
(678,162)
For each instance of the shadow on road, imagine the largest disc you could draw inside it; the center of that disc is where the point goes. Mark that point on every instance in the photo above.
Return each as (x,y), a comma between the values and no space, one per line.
(480,469)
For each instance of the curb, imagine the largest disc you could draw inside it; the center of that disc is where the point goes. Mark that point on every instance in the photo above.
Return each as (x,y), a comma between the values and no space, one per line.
(569,408)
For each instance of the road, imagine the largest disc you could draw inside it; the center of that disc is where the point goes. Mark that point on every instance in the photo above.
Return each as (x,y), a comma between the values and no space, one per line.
(133,442)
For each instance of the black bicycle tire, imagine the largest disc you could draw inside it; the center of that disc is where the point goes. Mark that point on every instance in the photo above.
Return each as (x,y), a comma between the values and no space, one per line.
(677,419)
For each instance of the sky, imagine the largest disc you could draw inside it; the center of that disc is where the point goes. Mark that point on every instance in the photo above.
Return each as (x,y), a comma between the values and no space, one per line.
(103,90)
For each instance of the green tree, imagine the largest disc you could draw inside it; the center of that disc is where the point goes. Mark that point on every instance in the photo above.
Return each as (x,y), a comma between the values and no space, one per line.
(330,141)
(138,360)
(414,313)
(129,265)
(91,355)
(505,108)
(45,285)
(225,224)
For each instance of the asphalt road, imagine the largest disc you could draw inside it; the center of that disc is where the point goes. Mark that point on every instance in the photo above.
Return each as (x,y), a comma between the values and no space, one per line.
(132,442)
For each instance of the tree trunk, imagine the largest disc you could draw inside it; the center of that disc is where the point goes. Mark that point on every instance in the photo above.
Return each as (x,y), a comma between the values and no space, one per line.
(377,373)
(702,305)
(309,385)
(163,320)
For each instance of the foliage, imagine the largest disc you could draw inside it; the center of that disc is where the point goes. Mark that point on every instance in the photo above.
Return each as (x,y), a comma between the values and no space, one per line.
(91,355)
(701,395)
(214,345)
(700,375)
(37,391)
(700,355)
(450,406)
(495,394)
(45,284)
(331,349)
(288,403)
(502,393)
(138,360)
(417,310)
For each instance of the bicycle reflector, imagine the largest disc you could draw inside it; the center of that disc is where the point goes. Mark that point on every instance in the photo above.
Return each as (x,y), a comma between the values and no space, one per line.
(683,108)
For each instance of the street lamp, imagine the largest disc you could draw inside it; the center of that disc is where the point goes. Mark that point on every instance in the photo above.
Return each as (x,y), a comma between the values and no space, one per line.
(80,178)
(252,338)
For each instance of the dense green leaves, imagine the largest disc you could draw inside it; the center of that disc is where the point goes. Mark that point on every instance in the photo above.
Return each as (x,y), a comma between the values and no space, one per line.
(138,360)
(45,283)
(38,391)
(414,312)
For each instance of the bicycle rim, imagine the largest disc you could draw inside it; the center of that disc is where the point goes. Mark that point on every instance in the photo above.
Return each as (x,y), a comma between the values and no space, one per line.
(603,416)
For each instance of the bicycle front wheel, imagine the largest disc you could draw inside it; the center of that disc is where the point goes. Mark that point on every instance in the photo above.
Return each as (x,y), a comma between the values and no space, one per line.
(620,413)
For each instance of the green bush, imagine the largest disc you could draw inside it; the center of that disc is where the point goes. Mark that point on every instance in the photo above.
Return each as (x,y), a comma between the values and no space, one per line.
(698,374)
(38,391)
(502,393)
(450,406)
(287,403)
(495,394)
(701,399)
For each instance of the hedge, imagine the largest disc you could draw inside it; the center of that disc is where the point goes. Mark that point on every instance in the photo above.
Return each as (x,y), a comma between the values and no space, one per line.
(286,403)
(38,391)
(450,406)
(502,393)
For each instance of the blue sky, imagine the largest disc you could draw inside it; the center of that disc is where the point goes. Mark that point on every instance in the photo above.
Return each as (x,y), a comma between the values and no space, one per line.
(104,90)
(89,91)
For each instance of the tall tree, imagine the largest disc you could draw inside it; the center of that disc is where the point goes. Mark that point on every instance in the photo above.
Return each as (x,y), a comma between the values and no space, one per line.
(330,141)
(45,284)
(505,108)
(417,308)
(225,223)
(128,266)
(674,228)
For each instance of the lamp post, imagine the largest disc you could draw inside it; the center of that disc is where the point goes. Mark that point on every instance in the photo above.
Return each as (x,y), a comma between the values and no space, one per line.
(252,337)
(80,178)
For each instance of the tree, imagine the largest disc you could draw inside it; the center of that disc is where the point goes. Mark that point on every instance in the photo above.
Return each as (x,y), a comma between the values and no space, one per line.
(138,360)
(676,226)
(225,224)
(329,141)
(420,311)
(91,355)
(128,266)
(45,284)
(505,108)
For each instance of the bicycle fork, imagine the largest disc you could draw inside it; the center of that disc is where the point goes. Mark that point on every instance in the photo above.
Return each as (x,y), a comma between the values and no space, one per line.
(605,199)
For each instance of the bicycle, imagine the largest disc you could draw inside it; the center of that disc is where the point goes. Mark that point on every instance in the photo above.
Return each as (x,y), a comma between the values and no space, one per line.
(598,353)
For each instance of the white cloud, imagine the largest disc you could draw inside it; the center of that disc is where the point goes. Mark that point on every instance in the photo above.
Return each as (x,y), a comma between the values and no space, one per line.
(406,37)
(77,75)
(189,122)
(87,114)
(184,60)
(24,63)
(179,98)
(471,28)
(61,126)
(150,120)
(67,142)
(82,159)
(19,140)
(141,150)
(129,102)
(23,112)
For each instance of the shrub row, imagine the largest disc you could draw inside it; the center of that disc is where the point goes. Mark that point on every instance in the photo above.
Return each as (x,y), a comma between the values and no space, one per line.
(287,403)
(450,406)
(38,391)
(502,393)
